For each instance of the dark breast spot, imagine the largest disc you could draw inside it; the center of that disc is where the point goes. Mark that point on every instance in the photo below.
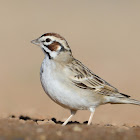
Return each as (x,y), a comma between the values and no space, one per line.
(41,72)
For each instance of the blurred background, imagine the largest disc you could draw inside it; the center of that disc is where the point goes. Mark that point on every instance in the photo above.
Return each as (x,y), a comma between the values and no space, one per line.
(104,35)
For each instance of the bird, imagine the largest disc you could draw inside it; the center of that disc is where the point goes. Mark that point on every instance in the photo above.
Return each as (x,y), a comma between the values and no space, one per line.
(69,83)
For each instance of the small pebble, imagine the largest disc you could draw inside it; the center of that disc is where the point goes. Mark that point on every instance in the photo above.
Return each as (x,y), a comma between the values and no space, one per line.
(59,133)
(39,130)
(77,128)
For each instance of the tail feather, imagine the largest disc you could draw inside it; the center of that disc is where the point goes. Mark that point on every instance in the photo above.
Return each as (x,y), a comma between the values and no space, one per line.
(131,101)
(123,101)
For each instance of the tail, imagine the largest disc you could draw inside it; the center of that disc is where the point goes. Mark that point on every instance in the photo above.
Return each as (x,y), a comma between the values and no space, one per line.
(130,101)
(124,101)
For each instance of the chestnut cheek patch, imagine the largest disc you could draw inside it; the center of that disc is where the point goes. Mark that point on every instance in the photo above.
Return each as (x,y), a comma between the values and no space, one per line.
(54,46)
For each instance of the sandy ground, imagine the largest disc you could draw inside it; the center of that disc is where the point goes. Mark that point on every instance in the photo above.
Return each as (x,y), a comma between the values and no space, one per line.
(26,128)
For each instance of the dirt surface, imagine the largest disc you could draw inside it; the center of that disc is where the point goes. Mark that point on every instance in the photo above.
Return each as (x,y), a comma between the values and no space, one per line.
(26,128)
(103,35)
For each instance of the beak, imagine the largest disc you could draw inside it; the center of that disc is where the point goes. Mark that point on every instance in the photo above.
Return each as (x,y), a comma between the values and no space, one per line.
(36,42)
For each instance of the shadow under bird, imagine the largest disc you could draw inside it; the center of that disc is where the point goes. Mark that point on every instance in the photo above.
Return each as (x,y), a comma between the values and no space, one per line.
(71,84)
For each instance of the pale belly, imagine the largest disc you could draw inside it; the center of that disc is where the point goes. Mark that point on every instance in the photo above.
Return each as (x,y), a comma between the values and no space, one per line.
(61,94)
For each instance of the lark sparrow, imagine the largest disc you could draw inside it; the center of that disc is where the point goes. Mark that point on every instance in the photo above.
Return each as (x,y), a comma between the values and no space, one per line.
(69,83)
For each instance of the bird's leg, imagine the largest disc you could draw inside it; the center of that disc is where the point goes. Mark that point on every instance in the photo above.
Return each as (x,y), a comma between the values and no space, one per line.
(92,110)
(72,114)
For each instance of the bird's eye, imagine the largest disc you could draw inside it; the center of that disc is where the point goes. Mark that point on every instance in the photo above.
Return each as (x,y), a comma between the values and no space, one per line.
(48,40)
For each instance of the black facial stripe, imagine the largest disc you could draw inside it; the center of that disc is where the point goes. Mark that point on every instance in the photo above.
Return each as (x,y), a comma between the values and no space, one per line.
(46,45)
(47,53)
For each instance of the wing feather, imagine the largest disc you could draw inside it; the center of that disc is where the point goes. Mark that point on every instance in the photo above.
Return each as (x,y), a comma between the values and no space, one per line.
(84,78)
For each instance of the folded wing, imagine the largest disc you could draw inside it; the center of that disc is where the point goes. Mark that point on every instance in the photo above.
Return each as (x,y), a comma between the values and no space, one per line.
(85,79)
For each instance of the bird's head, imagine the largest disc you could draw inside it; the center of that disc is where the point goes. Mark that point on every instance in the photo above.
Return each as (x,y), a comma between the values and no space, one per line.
(52,45)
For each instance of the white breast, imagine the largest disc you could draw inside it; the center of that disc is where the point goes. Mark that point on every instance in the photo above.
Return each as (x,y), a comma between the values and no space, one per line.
(58,87)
